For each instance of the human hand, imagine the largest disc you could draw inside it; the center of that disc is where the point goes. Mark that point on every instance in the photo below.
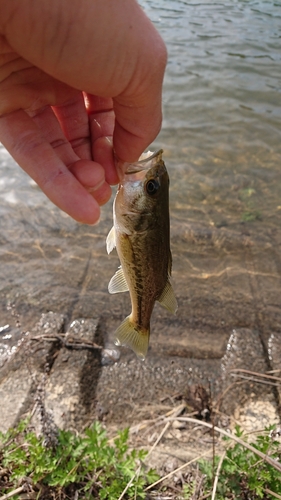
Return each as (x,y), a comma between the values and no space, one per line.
(77,80)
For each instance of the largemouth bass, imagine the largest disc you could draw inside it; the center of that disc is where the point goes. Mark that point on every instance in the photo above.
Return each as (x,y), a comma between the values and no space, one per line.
(141,235)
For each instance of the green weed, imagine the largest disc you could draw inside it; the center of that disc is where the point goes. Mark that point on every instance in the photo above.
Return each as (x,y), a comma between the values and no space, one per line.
(85,463)
(88,466)
(243,475)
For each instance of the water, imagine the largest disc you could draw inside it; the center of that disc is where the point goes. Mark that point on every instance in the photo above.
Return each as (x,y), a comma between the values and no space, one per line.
(222,140)
(222,102)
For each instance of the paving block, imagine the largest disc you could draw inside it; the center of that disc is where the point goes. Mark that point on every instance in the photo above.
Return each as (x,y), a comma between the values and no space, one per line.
(71,386)
(19,376)
(250,398)
(274,352)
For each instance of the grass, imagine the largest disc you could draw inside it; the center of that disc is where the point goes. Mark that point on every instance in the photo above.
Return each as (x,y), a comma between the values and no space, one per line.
(88,466)
(65,465)
(241,473)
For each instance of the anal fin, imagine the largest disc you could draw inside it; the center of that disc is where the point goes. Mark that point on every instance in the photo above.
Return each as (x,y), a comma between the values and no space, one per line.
(168,299)
(118,282)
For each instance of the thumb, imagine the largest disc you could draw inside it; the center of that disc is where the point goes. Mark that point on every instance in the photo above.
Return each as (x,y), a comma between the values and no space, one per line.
(138,110)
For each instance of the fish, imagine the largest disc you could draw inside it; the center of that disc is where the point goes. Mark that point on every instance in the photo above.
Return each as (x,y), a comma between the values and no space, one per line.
(141,235)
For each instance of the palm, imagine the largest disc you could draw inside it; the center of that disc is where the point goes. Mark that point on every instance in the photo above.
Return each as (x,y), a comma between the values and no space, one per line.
(72,130)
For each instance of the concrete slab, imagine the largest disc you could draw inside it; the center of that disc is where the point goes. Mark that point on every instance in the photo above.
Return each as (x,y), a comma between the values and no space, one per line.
(244,394)
(70,390)
(19,376)
(274,352)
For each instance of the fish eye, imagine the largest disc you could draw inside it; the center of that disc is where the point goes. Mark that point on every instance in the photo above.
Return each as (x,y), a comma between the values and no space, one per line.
(152,186)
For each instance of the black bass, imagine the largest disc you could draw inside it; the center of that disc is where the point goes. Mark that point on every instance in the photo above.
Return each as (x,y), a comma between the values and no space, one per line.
(141,235)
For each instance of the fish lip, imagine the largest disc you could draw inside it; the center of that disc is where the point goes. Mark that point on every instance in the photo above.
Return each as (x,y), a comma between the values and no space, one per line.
(127,168)
(138,166)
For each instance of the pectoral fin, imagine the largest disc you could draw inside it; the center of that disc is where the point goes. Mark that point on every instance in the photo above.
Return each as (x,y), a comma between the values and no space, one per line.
(118,282)
(128,335)
(168,299)
(110,240)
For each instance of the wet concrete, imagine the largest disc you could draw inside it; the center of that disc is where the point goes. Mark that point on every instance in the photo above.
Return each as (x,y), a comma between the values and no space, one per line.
(227,278)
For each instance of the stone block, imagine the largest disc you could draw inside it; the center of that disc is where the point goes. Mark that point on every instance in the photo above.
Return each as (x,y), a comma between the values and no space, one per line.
(72,383)
(19,376)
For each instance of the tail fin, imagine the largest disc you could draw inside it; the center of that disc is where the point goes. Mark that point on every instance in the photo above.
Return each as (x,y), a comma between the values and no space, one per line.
(128,335)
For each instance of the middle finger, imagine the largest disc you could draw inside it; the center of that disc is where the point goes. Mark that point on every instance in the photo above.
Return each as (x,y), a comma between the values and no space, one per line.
(102,121)
(74,121)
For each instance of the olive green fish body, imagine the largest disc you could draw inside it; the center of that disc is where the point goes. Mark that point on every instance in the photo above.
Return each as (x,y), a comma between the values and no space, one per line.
(141,234)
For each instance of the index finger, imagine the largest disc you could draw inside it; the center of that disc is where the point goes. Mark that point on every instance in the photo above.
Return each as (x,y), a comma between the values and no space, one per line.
(101,120)
(22,138)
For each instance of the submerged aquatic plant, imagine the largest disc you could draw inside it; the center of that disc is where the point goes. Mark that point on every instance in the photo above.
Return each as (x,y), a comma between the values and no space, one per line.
(250,216)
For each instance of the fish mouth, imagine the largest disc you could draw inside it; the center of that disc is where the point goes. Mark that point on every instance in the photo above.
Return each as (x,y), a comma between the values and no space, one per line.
(145,162)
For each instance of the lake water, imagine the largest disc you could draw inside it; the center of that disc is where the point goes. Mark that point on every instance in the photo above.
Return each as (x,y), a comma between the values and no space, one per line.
(222,141)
